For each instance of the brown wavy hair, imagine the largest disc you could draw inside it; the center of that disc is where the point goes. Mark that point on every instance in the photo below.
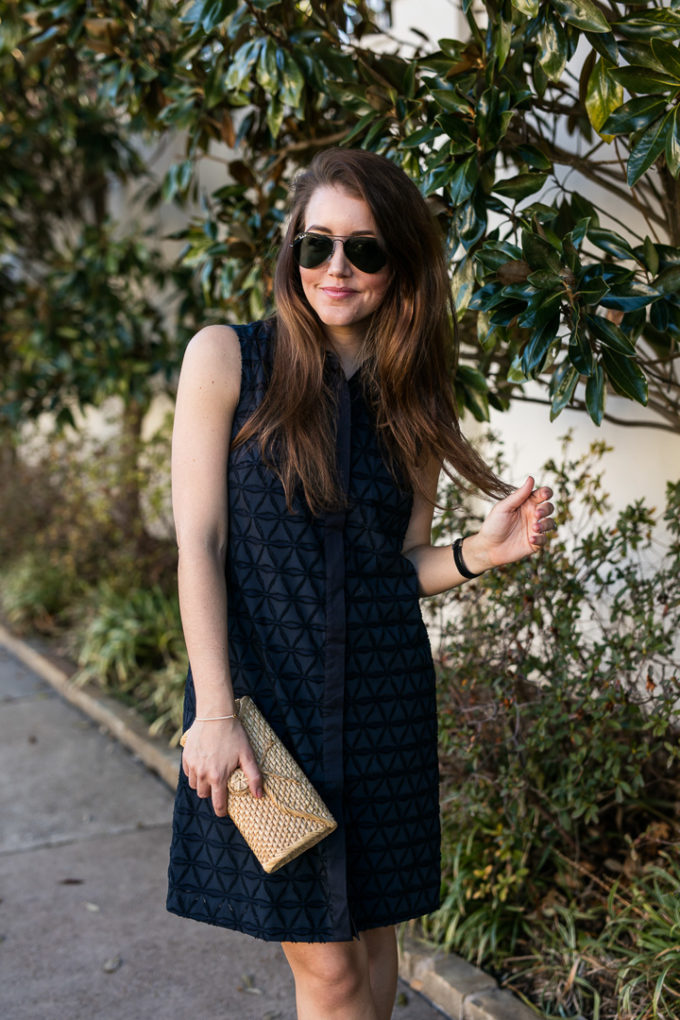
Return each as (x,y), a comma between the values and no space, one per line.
(409,351)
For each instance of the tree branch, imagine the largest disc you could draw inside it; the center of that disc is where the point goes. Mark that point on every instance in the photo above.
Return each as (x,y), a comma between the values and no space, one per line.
(579,405)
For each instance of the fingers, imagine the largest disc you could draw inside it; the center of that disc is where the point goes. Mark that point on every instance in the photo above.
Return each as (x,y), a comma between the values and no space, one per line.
(542,494)
(544,510)
(208,788)
(219,801)
(519,496)
(542,527)
(213,785)
(252,774)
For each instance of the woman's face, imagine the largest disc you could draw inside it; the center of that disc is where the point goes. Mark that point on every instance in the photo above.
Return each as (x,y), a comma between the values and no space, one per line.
(343,297)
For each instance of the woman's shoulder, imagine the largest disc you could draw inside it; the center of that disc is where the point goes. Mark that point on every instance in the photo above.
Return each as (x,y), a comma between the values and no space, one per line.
(219,345)
(237,357)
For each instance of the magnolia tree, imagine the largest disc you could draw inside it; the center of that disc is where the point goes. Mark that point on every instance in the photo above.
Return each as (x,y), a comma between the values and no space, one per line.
(547,140)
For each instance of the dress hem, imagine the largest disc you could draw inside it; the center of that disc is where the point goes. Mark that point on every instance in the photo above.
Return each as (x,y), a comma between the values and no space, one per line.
(268,937)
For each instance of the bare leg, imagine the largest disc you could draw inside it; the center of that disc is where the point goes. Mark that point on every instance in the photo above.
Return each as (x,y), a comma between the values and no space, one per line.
(345,980)
(383,967)
(332,980)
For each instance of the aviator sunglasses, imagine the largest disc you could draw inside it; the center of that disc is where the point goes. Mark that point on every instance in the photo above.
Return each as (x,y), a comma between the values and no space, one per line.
(312,250)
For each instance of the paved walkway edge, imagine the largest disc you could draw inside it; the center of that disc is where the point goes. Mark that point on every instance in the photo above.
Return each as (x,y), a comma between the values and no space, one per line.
(119,720)
(462,991)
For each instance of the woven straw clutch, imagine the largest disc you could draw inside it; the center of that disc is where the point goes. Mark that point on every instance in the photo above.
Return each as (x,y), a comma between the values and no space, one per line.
(290,817)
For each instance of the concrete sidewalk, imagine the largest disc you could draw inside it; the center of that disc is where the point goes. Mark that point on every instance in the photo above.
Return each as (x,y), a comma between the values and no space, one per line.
(84,835)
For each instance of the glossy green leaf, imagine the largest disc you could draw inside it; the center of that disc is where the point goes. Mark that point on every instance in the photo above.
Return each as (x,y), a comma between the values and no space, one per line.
(474,388)
(542,310)
(506,312)
(579,232)
(634,115)
(604,44)
(668,282)
(552,42)
(583,14)
(564,384)
(450,101)
(375,131)
(501,41)
(533,157)
(361,126)
(673,143)
(652,24)
(463,181)
(486,336)
(625,375)
(210,14)
(545,279)
(496,253)
(521,186)
(438,178)
(644,79)
(539,253)
(243,61)
(668,57)
(275,113)
(648,148)
(539,212)
(539,78)
(595,393)
(611,242)
(528,7)
(536,351)
(267,72)
(651,256)
(593,290)
(610,335)
(425,134)
(580,351)
(453,48)
(603,95)
(470,221)
(515,373)
(628,297)
(463,284)
(292,80)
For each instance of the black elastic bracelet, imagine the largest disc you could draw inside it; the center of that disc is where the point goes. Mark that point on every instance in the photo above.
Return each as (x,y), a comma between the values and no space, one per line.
(459,561)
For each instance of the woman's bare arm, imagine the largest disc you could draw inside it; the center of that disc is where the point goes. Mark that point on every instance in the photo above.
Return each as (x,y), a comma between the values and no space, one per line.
(515,527)
(207,396)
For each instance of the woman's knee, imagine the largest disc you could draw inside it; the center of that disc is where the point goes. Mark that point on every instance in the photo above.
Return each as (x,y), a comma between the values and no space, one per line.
(334,974)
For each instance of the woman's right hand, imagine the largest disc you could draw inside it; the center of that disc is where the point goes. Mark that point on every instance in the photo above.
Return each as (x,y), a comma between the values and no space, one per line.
(212,751)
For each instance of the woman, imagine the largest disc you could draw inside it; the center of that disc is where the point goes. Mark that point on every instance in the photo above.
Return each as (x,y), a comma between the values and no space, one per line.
(306,456)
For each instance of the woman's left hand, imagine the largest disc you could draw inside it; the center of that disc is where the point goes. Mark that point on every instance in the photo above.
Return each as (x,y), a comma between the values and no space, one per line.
(517,526)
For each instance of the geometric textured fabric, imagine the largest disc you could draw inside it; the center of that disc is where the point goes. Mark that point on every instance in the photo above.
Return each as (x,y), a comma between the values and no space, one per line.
(326,636)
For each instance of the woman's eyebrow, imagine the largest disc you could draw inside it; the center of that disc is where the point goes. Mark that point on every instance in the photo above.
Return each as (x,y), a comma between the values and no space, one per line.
(324,230)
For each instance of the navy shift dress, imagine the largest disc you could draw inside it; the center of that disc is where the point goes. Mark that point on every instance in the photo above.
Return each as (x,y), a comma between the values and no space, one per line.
(326,636)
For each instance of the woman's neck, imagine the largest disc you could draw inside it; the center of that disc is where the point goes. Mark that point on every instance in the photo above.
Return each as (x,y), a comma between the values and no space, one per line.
(348,351)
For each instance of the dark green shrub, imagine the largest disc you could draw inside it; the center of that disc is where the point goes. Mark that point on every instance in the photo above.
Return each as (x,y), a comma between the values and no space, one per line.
(130,643)
(35,593)
(559,703)
(69,523)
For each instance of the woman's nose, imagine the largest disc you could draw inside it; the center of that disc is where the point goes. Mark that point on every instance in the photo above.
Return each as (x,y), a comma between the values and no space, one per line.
(339,264)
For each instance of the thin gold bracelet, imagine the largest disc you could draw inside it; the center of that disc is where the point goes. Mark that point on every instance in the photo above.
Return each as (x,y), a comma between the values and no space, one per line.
(216,718)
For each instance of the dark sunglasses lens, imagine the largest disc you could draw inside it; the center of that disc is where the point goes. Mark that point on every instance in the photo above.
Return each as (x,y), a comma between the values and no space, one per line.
(312,250)
(365,253)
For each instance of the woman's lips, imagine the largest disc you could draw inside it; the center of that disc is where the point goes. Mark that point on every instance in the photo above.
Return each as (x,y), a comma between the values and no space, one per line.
(338,292)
